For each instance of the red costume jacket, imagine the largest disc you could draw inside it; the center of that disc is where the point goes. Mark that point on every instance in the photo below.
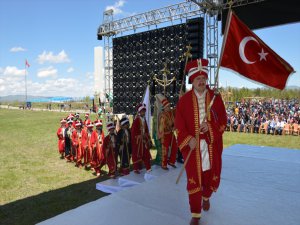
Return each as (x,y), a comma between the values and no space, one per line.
(109,149)
(96,142)
(140,141)
(77,144)
(187,125)
(167,137)
(61,140)
(84,138)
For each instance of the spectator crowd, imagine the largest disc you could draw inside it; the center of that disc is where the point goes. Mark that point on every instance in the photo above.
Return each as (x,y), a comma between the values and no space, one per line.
(272,116)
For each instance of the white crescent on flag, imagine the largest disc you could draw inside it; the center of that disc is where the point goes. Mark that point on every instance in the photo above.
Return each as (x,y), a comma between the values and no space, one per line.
(242,49)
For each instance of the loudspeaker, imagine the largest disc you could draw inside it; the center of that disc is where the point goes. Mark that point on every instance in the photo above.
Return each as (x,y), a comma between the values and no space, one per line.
(195,36)
(138,57)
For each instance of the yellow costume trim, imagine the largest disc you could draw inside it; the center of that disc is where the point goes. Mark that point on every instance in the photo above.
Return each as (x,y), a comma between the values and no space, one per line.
(185,142)
(215,178)
(207,102)
(136,161)
(196,118)
(210,146)
(196,215)
(213,189)
(192,181)
(222,128)
(195,190)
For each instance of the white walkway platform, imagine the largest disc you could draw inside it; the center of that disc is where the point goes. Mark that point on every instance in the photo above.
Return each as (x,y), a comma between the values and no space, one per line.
(259,186)
(130,180)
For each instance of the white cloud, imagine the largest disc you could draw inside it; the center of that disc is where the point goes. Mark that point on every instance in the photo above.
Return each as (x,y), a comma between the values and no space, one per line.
(49,57)
(54,87)
(116,7)
(17,49)
(12,71)
(47,72)
(70,70)
(12,82)
(2,86)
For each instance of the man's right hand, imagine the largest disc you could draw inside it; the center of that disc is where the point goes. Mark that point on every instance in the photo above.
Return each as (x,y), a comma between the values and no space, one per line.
(192,143)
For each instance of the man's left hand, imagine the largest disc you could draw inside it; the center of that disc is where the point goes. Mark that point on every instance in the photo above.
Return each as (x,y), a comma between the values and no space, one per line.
(204,127)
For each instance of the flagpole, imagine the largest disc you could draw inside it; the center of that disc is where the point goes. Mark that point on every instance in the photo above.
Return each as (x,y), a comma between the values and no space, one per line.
(25,85)
(223,45)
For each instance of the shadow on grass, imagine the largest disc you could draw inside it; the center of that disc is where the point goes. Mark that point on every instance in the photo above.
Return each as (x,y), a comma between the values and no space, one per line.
(40,207)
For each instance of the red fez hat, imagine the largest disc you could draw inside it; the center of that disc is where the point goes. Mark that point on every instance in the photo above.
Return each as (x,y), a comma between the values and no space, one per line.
(90,124)
(110,125)
(141,106)
(197,67)
(124,120)
(98,123)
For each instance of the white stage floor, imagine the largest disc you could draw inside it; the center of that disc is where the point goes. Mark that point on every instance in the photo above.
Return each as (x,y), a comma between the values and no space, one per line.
(259,186)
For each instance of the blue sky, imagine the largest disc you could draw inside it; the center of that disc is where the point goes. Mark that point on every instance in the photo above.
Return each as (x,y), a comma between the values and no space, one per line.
(58,37)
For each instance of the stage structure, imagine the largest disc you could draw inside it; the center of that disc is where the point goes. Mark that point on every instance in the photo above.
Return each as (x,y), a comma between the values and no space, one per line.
(141,57)
(178,12)
(210,10)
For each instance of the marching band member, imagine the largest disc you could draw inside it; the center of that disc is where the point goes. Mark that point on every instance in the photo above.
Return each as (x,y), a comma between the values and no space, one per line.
(87,148)
(61,138)
(97,142)
(166,135)
(141,141)
(109,149)
(77,143)
(124,146)
(68,140)
(200,129)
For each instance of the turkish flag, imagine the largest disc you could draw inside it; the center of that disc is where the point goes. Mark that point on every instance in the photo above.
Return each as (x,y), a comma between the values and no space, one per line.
(245,53)
(26,63)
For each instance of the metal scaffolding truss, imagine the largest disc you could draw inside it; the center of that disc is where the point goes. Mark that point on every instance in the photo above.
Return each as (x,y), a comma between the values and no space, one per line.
(180,11)
(153,17)
(111,27)
(215,5)
(108,57)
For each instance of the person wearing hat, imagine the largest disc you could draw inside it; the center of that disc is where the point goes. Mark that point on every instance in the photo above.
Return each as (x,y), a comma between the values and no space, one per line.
(200,131)
(86,120)
(140,141)
(124,145)
(109,149)
(97,141)
(61,138)
(87,148)
(68,140)
(77,135)
(77,119)
(166,134)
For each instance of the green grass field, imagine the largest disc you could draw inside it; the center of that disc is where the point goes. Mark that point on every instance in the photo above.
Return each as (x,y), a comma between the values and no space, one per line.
(36,185)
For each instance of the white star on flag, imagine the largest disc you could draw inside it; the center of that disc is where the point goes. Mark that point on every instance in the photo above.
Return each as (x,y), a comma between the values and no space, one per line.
(262,55)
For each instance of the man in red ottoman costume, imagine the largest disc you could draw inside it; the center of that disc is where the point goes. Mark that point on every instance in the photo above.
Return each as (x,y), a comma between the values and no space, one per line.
(87,148)
(97,141)
(200,130)
(78,142)
(140,141)
(109,149)
(61,138)
(166,135)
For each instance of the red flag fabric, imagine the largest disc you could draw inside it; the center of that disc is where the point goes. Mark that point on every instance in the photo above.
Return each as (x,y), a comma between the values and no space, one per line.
(26,63)
(245,53)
